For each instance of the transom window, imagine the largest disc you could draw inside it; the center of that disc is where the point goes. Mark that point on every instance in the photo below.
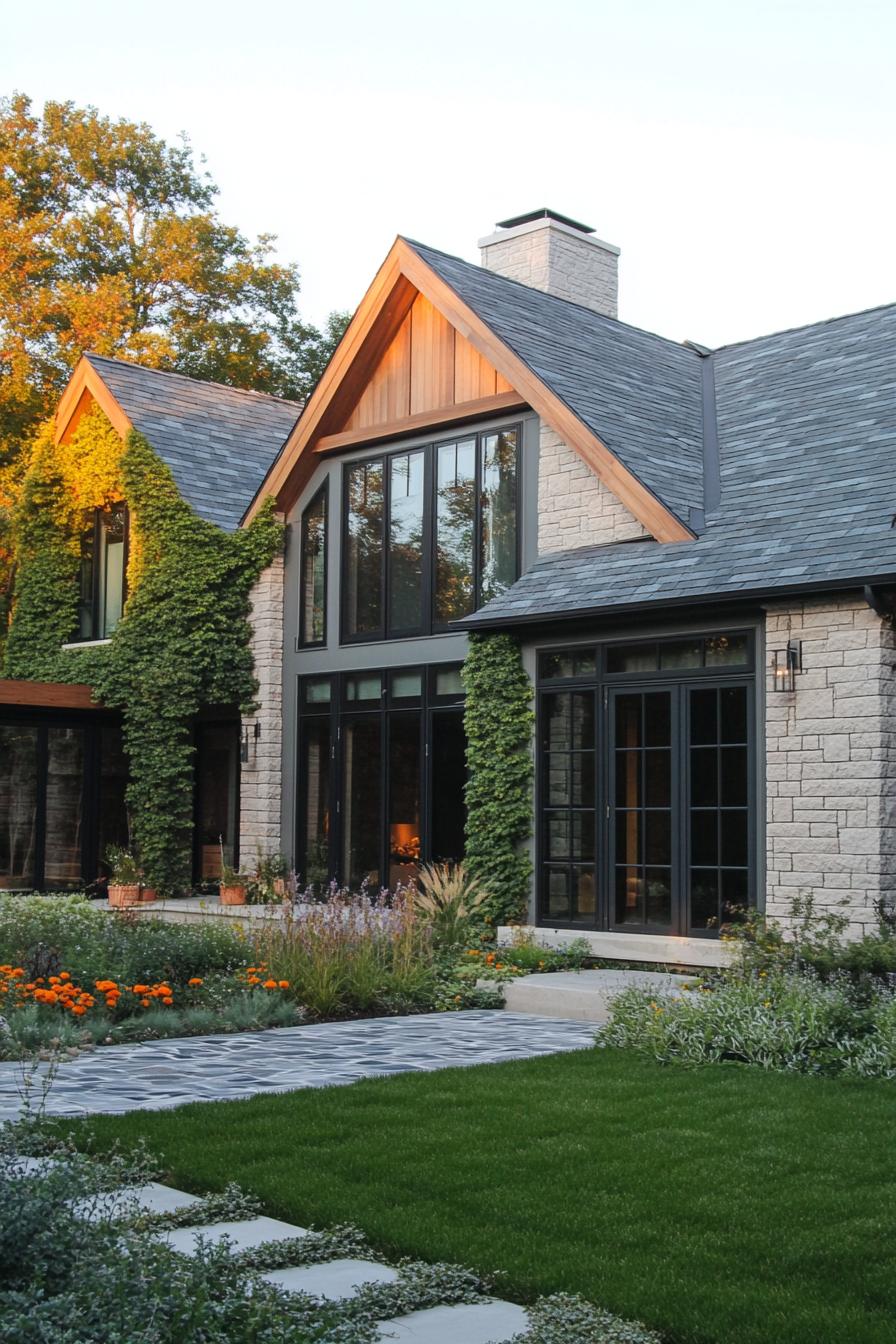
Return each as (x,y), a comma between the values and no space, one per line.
(429,534)
(647,784)
(103,577)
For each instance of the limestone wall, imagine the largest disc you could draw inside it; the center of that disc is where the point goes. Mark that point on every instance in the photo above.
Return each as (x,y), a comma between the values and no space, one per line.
(574,507)
(261,775)
(831,761)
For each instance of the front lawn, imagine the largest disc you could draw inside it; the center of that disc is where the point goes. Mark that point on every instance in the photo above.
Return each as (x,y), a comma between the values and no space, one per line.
(716,1204)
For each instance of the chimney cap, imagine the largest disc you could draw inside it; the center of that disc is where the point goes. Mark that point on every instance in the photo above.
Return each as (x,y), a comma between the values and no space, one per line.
(543,213)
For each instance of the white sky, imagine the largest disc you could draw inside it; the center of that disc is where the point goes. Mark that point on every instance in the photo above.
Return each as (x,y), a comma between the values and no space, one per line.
(740,153)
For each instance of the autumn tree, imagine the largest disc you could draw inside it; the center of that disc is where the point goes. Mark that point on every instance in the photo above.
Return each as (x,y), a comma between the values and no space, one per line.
(110,241)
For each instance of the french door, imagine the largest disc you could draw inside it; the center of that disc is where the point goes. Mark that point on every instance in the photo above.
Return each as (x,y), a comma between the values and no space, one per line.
(646,798)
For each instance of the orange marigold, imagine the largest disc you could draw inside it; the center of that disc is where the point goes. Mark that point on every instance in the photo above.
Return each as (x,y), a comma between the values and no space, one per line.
(284,984)
(167,1000)
(270,984)
(196,980)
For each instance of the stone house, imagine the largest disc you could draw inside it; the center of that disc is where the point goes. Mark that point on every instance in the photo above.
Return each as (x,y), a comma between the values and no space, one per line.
(693,547)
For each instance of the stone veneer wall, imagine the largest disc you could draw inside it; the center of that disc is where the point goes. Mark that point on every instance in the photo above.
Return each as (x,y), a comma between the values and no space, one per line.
(831,761)
(574,507)
(261,775)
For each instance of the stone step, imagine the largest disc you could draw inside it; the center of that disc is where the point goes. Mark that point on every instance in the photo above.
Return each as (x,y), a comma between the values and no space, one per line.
(332,1281)
(150,1198)
(583,995)
(244,1235)
(492,1322)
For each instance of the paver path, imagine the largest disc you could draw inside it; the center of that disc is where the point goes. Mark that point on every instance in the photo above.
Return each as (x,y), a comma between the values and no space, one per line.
(157,1075)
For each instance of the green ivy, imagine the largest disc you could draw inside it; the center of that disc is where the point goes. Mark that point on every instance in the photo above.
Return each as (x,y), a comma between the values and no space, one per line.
(182,644)
(498,719)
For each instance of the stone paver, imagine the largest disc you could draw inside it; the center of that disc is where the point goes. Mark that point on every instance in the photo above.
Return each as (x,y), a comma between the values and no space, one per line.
(474,1323)
(243,1235)
(150,1198)
(161,1074)
(334,1280)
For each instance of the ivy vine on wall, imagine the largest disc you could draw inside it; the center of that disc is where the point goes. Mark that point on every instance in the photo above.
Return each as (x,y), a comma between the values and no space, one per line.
(498,719)
(183,642)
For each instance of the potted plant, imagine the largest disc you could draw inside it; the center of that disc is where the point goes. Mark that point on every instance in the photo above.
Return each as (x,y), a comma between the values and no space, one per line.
(124,877)
(234,884)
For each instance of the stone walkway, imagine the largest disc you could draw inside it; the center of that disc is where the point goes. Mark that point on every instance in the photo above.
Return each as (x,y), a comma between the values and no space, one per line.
(157,1075)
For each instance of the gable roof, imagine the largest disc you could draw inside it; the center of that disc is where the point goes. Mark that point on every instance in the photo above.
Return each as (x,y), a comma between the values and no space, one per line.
(806,423)
(649,401)
(640,394)
(218,441)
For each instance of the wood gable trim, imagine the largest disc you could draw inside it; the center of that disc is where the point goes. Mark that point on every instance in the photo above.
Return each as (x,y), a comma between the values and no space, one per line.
(456,414)
(84,386)
(324,424)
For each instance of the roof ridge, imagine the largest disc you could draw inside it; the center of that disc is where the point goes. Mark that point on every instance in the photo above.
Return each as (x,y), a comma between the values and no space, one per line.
(185,377)
(582,307)
(806,326)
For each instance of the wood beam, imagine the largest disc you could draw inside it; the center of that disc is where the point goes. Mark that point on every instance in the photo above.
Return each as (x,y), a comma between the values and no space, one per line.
(85,385)
(47,694)
(411,424)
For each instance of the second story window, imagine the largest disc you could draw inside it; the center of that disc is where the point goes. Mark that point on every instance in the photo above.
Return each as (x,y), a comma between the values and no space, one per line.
(429,534)
(313,597)
(103,581)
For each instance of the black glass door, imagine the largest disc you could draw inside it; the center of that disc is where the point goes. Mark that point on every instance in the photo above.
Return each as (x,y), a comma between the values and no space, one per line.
(642,761)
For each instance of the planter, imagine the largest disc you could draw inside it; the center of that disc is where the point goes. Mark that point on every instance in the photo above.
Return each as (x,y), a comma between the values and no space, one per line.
(232,895)
(148,894)
(123,895)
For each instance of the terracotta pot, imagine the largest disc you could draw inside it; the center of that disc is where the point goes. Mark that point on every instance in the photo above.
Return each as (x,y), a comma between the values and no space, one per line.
(122,895)
(232,895)
(148,894)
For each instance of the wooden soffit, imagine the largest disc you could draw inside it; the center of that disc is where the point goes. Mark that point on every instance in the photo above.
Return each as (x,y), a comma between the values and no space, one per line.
(85,387)
(414,356)
(46,694)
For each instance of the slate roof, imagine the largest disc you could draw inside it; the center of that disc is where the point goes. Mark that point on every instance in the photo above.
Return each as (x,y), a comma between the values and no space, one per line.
(639,393)
(219,441)
(806,423)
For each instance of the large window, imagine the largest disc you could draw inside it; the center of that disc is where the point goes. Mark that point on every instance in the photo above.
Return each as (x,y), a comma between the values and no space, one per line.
(103,582)
(429,534)
(62,786)
(646,784)
(313,582)
(381,774)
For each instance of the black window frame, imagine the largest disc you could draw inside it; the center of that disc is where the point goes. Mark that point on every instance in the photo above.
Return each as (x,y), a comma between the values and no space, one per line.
(94,531)
(428,625)
(604,685)
(338,711)
(323,492)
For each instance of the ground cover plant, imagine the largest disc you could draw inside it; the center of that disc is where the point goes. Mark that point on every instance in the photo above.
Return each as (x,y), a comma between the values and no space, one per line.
(796,997)
(714,1204)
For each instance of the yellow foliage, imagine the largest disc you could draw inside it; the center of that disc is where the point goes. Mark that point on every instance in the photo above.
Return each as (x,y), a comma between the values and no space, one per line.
(90,462)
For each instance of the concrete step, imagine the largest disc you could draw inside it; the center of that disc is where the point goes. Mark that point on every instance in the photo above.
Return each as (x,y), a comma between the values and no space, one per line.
(150,1198)
(244,1235)
(582,995)
(332,1281)
(491,1322)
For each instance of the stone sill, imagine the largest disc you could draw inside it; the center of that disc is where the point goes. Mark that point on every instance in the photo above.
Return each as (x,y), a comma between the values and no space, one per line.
(196,909)
(85,644)
(647,947)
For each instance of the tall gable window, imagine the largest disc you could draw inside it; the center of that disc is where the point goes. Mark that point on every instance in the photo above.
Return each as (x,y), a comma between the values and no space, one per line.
(103,585)
(429,534)
(313,609)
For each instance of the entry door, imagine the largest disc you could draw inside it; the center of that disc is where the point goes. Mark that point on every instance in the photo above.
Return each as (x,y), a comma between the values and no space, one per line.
(644,888)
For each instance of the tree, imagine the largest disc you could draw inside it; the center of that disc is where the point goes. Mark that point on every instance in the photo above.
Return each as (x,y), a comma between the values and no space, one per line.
(110,241)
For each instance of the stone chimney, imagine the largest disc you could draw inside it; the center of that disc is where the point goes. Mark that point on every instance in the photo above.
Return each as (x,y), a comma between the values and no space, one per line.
(557,255)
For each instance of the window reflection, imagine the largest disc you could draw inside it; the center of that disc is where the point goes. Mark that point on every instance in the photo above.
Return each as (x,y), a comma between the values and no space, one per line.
(499,510)
(455,522)
(406,541)
(314,569)
(364,558)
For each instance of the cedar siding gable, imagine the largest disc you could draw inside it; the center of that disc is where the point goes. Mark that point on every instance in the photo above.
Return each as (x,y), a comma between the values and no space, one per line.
(415,355)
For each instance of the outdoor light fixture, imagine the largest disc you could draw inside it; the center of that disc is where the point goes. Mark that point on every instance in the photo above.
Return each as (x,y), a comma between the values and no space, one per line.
(244,741)
(785,664)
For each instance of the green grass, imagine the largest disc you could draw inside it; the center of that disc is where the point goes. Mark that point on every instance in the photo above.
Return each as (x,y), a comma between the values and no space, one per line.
(717,1204)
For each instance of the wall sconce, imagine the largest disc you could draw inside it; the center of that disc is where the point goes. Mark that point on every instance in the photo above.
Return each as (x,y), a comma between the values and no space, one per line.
(785,664)
(244,741)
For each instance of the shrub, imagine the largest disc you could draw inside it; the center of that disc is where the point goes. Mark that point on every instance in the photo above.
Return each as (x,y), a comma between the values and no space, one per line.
(778,1019)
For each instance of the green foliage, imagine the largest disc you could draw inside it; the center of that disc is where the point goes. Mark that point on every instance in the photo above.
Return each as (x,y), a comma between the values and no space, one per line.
(498,720)
(116,245)
(182,643)
(450,900)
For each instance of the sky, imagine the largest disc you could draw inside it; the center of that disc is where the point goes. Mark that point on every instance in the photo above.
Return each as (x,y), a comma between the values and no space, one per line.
(740,154)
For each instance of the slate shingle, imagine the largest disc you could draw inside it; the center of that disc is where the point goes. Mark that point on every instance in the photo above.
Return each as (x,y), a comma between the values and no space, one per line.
(218,441)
